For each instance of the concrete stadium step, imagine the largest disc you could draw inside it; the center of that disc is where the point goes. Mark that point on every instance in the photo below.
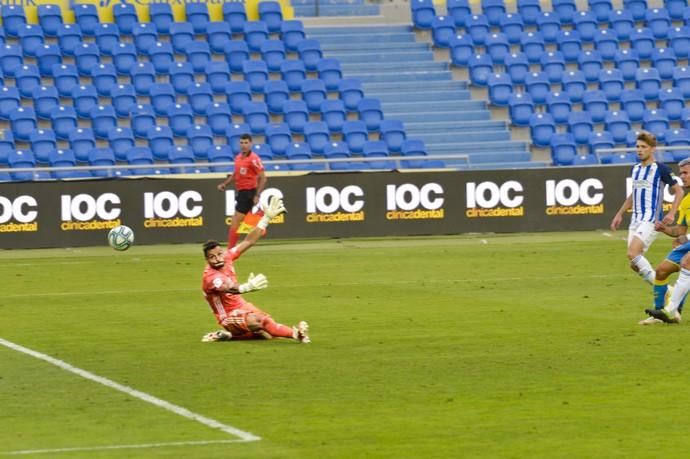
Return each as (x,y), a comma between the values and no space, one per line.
(395,67)
(500,157)
(337,10)
(421,96)
(418,117)
(414,86)
(382,47)
(505,146)
(451,105)
(345,30)
(462,137)
(509,165)
(420,129)
(403,76)
(367,38)
(400,57)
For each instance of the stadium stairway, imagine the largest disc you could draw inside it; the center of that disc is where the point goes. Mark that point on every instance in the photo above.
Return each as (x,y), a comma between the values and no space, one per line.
(414,88)
(311,8)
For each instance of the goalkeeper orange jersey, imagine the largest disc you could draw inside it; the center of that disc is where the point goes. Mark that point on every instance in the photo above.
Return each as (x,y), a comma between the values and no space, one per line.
(222,304)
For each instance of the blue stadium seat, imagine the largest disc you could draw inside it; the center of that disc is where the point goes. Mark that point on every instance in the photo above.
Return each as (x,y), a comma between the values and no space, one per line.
(276,92)
(103,119)
(512,25)
(256,74)
(459,10)
(649,82)
(124,58)
(478,28)
(200,138)
(632,101)
(316,133)
(533,46)
(236,53)
(217,75)
(549,24)
(681,80)
(31,38)
(198,54)
(234,132)
(586,24)
(238,93)
(256,116)
(86,17)
(86,57)
(161,16)
(64,121)
(162,96)
(301,151)
(255,33)
(529,10)
(124,98)
(656,121)
(125,16)
(235,15)
(659,22)
(182,154)
(601,9)
(570,44)
(13,18)
(273,54)
(423,13)
(442,29)
(612,83)
(278,136)
(84,98)
(143,118)
(676,8)
(517,67)
(643,42)
(7,145)
(619,158)
(559,106)
(145,36)
(42,141)
(631,138)
(69,37)
(143,75)
(292,32)
(678,138)
(333,114)
(627,61)
(101,157)
(538,87)
(672,102)
(585,159)
(498,47)
(219,35)
(370,112)
(220,154)
(553,64)
(580,125)
(141,156)
(181,34)
(310,53)
(393,134)
(219,117)
(500,88)
(542,128)
(107,37)
(330,72)
(46,57)
(293,73)
(296,115)
(679,41)
(9,100)
(180,118)
(271,14)
(200,96)
(314,93)
(45,99)
(596,103)
(22,159)
(160,140)
(65,158)
(480,67)
(121,140)
(355,134)
(563,149)
(622,23)
(664,61)
(416,147)
(264,151)
(181,77)
(338,150)
(27,77)
(461,49)
(575,85)
(350,92)
(606,44)
(591,64)
(10,58)
(565,9)
(618,124)
(197,15)
(378,152)
(104,78)
(521,108)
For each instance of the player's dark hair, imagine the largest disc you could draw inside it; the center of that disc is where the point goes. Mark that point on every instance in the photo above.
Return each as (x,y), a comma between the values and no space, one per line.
(210,245)
(647,137)
(246,137)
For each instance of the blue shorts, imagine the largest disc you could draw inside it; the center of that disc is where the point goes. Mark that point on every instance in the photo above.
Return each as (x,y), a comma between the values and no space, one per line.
(678,253)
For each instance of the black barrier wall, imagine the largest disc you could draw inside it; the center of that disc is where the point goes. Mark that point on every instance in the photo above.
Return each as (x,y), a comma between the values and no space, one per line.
(80,213)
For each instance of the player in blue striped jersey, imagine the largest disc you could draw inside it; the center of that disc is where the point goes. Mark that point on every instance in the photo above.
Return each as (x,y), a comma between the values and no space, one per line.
(646,203)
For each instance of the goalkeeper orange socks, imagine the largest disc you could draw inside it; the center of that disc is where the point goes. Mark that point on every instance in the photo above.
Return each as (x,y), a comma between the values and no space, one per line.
(275,329)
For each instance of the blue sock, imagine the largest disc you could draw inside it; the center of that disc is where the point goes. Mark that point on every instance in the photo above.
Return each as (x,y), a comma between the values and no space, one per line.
(660,293)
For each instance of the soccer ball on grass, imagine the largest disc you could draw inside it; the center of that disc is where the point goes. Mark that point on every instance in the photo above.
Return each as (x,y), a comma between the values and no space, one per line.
(121,237)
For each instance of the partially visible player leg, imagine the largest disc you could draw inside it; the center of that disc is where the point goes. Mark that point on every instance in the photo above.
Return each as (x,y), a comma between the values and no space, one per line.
(639,240)
(237,219)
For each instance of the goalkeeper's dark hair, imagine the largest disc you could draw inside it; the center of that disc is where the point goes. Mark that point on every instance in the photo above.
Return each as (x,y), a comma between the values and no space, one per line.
(210,245)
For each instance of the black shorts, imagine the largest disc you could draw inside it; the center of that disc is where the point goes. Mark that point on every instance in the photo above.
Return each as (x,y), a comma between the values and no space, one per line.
(244,200)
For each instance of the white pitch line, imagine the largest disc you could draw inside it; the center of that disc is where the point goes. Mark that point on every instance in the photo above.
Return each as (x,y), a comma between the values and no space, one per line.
(180,411)
(100,448)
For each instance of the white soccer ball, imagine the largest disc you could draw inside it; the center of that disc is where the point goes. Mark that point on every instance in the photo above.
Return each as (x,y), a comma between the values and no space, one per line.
(121,237)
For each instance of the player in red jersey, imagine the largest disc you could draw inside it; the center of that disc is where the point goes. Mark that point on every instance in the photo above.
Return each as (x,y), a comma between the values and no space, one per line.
(239,318)
(250,181)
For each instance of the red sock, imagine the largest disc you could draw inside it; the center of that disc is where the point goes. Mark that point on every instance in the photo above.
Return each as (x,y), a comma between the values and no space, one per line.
(276,329)
(232,238)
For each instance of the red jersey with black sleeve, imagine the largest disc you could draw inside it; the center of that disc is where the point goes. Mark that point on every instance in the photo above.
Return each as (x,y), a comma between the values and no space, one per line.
(247,170)
(222,304)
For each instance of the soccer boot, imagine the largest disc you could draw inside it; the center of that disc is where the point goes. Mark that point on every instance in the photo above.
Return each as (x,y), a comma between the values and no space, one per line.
(650,321)
(300,332)
(663,315)
(220,335)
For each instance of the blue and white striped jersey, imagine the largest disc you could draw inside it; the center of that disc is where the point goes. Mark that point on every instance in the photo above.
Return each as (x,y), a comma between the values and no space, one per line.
(648,191)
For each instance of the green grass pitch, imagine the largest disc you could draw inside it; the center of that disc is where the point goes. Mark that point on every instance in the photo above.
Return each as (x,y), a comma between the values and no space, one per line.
(507,346)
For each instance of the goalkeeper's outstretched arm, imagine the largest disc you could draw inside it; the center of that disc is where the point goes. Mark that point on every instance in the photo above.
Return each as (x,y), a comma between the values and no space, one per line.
(274,208)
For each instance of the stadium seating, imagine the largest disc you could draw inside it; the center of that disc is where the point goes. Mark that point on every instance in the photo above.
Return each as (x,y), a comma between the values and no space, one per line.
(276,93)
(180,118)
(161,16)
(82,141)
(45,99)
(235,15)
(200,139)
(84,98)
(317,135)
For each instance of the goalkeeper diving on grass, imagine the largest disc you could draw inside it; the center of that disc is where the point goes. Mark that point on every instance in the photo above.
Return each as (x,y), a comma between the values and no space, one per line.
(239,318)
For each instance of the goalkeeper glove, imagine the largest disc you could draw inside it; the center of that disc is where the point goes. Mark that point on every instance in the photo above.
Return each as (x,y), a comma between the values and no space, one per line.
(257,282)
(275,207)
